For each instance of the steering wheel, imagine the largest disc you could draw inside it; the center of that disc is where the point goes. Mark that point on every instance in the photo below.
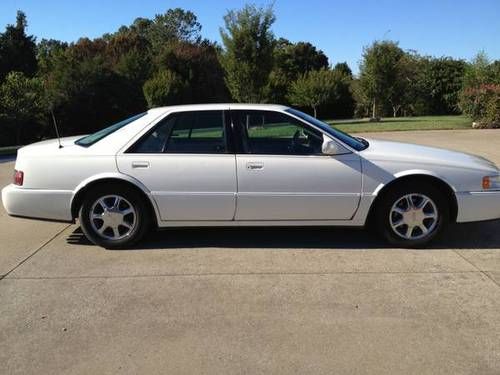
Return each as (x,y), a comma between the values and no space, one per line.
(296,144)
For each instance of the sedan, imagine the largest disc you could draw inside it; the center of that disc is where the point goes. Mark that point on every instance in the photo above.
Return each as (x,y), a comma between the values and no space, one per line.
(246,165)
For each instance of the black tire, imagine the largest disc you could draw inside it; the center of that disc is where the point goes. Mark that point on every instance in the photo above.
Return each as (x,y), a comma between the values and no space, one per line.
(383,214)
(141,223)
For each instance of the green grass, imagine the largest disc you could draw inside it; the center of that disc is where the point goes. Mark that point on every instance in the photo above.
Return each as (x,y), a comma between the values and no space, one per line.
(9,150)
(403,123)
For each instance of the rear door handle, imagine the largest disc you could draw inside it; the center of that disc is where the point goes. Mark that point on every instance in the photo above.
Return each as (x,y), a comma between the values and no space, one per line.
(255,166)
(140,164)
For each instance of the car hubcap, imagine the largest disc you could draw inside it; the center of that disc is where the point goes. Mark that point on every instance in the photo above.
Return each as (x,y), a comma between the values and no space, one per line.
(113,217)
(413,216)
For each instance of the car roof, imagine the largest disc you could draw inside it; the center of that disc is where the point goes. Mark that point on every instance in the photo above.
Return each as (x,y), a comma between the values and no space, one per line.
(218,106)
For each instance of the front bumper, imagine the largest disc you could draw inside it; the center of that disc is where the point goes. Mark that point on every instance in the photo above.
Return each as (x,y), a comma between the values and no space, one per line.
(37,203)
(478,206)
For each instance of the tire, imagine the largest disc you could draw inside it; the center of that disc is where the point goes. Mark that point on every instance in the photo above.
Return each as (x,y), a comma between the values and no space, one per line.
(114,216)
(412,215)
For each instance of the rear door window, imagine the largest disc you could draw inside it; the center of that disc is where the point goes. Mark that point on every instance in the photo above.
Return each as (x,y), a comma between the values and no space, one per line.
(196,132)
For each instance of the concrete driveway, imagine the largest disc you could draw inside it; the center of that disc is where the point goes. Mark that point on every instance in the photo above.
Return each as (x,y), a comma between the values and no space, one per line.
(253,301)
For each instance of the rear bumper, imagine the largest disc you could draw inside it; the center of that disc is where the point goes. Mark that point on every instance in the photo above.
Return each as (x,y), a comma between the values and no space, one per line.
(478,206)
(37,203)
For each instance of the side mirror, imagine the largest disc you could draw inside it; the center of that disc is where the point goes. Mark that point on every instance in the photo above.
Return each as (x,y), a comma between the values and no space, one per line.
(330,147)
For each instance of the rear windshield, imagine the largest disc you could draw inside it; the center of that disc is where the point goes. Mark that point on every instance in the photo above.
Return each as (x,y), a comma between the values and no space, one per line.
(89,140)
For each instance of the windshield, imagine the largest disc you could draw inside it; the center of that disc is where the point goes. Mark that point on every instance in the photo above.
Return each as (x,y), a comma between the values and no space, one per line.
(356,143)
(89,140)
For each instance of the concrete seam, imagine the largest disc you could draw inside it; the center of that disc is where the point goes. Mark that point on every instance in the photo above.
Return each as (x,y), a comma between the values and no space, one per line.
(34,252)
(477,268)
(236,274)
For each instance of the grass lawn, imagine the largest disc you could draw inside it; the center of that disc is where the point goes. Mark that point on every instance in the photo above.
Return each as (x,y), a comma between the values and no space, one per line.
(9,150)
(403,123)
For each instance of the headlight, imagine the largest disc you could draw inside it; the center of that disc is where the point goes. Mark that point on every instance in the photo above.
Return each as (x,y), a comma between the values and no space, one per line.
(491,182)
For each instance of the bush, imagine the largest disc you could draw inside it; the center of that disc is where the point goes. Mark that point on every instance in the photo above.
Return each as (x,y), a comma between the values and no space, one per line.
(482,104)
(165,88)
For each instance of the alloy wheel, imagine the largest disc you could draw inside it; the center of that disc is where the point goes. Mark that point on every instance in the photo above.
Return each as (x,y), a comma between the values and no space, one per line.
(113,217)
(413,216)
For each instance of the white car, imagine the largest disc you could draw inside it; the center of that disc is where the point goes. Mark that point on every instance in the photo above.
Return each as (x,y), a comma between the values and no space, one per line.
(246,165)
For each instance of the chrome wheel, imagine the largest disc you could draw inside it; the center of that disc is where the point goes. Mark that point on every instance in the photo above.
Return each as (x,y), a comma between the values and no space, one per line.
(113,217)
(413,216)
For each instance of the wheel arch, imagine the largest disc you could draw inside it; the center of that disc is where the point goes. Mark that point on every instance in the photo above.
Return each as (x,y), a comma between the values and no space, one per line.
(87,185)
(418,176)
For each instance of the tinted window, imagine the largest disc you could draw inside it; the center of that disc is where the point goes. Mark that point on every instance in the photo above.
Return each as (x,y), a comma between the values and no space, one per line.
(267,132)
(89,140)
(186,132)
(355,143)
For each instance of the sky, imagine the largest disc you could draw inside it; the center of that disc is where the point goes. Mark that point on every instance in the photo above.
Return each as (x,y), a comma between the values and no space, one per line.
(458,28)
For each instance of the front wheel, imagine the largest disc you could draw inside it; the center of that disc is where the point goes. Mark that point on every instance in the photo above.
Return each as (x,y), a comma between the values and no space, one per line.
(412,215)
(113,216)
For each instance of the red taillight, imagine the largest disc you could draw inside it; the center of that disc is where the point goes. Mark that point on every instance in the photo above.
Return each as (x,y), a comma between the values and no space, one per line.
(18,178)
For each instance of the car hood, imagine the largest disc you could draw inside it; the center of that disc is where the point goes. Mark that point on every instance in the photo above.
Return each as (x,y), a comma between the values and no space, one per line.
(380,150)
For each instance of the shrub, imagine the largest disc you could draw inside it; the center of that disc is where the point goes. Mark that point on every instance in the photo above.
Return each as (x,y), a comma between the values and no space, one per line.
(165,88)
(482,104)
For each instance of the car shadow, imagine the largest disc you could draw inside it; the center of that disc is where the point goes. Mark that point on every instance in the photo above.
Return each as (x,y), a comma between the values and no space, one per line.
(484,235)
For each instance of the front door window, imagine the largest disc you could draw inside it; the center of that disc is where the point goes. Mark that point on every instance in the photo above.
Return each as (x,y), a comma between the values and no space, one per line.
(274,133)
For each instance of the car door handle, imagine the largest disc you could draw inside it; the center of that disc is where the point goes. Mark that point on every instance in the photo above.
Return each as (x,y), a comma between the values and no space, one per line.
(140,164)
(255,166)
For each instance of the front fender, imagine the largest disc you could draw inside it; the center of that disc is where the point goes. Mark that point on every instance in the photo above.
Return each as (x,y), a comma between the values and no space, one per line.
(413,172)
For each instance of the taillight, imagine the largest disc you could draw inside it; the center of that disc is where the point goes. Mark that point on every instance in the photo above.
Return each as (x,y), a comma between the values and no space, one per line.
(18,178)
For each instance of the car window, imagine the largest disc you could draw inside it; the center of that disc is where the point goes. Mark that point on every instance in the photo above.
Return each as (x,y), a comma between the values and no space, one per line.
(268,132)
(356,143)
(89,140)
(185,132)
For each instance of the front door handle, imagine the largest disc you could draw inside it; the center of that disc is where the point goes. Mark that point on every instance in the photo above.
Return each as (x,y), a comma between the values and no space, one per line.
(255,166)
(140,164)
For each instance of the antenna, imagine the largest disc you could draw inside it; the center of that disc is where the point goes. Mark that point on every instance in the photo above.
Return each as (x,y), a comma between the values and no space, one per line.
(55,127)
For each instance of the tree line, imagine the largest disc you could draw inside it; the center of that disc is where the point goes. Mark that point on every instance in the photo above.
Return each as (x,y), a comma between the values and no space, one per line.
(90,83)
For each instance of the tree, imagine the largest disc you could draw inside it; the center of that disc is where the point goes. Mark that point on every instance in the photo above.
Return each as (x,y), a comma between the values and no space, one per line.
(342,103)
(343,68)
(21,104)
(46,50)
(85,89)
(128,53)
(172,26)
(480,97)
(247,57)
(363,103)
(197,64)
(165,88)
(379,72)
(481,71)
(291,60)
(175,24)
(404,89)
(439,82)
(314,88)
(17,50)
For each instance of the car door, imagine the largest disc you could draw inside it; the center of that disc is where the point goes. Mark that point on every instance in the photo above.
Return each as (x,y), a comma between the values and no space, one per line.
(186,163)
(282,174)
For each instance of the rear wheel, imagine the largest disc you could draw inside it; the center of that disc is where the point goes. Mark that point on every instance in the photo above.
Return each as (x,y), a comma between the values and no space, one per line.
(114,216)
(412,215)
